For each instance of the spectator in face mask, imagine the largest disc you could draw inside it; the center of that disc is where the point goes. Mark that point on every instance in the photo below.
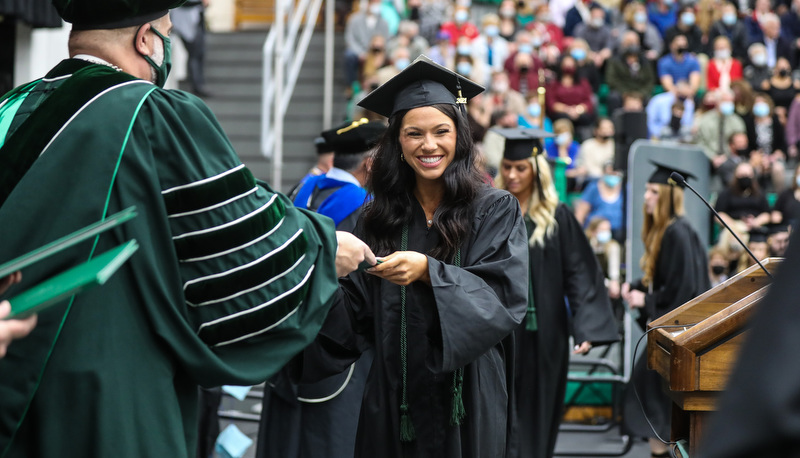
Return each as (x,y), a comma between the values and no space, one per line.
(731,27)
(787,207)
(586,69)
(580,13)
(777,46)
(501,97)
(570,97)
(753,21)
(523,72)
(489,47)
(662,14)
(398,61)
(535,116)
(545,27)
(722,67)
(564,147)
(715,126)
(679,65)
(765,134)
(628,71)
(742,201)
(757,72)
(597,151)
(362,27)
(603,198)
(635,17)
(507,11)
(687,25)
(408,36)
(782,87)
(663,121)
(597,35)
(460,25)
(717,267)
(608,252)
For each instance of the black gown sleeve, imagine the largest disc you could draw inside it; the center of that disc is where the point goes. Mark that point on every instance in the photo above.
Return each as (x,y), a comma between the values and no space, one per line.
(584,284)
(484,301)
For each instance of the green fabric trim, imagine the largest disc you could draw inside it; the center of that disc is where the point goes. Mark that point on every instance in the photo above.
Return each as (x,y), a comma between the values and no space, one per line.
(211,193)
(201,245)
(254,322)
(26,144)
(10,108)
(249,278)
(72,299)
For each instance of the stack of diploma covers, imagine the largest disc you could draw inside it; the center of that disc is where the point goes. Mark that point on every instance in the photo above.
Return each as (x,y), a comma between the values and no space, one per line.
(89,274)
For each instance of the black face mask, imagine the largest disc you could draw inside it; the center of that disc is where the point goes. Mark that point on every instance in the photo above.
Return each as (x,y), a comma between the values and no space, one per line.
(783,73)
(745,183)
(718,270)
(675,123)
(682,50)
(743,152)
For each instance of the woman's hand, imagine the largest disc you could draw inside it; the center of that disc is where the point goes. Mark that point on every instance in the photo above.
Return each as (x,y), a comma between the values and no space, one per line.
(402,268)
(16,277)
(613,289)
(633,297)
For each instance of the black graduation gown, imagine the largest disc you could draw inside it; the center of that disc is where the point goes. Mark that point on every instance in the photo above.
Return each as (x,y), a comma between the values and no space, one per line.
(681,274)
(564,268)
(458,321)
(759,415)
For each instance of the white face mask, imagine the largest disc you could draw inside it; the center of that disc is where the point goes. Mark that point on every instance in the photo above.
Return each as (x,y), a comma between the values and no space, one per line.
(375,9)
(604,236)
(722,54)
(563,139)
(500,87)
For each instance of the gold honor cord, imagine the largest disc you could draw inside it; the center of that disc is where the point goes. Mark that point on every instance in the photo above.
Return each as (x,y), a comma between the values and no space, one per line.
(352,126)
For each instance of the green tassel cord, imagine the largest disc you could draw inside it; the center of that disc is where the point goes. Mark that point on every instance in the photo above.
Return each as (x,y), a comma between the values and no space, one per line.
(458,412)
(531,324)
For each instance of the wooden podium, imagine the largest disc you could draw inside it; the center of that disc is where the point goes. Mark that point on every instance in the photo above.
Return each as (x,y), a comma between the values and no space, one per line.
(696,353)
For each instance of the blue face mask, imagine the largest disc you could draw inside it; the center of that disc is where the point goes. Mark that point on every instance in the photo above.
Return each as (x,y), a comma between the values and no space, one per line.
(640,17)
(761,109)
(464,50)
(464,68)
(578,54)
(461,16)
(525,49)
(563,139)
(687,18)
(535,110)
(162,71)
(612,180)
(726,108)
(603,237)
(729,19)
(401,63)
(491,30)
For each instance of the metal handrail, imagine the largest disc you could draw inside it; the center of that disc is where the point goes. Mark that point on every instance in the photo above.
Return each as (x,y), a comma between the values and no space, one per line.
(283,55)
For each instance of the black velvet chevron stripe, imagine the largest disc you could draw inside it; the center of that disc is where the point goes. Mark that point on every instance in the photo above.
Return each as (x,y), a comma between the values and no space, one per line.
(222,287)
(234,236)
(254,321)
(211,193)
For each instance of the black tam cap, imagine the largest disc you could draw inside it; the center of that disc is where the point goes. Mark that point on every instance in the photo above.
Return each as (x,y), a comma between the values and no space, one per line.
(662,173)
(758,235)
(321,145)
(777,228)
(421,84)
(112,14)
(522,143)
(355,137)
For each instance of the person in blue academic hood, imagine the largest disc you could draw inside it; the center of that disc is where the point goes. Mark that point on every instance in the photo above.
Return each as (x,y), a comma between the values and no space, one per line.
(340,192)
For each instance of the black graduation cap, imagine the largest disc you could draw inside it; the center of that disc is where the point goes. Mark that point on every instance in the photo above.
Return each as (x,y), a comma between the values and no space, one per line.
(758,235)
(776,228)
(355,137)
(112,14)
(662,174)
(522,143)
(321,145)
(421,84)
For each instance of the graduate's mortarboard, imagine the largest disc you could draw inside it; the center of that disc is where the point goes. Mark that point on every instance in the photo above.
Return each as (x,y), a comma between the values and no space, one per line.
(758,235)
(522,143)
(112,14)
(662,174)
(321,145)
(421,84)
(777,228)
(355,137)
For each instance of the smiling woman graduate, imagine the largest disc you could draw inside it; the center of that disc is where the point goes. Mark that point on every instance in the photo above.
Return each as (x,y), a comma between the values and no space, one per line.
(440,307)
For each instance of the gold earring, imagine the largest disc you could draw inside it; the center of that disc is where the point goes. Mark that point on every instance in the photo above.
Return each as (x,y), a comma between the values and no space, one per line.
(402,159)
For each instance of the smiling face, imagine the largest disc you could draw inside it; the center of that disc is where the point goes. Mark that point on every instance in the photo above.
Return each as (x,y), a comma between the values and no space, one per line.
(428,142)
(517,176)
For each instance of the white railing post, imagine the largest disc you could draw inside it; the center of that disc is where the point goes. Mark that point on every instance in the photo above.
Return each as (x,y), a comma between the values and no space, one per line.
(327,103)
(277,131)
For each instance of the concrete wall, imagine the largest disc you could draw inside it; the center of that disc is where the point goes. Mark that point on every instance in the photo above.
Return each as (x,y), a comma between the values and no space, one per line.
(38,50)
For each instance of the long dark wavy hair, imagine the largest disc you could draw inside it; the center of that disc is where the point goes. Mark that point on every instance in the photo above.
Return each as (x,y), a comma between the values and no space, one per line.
(392,183)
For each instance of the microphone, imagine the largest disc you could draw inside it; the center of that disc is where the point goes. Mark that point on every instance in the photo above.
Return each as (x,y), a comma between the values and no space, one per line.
(678,178)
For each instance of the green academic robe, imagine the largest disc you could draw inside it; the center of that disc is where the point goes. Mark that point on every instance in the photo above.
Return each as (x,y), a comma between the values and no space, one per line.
(230,280)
